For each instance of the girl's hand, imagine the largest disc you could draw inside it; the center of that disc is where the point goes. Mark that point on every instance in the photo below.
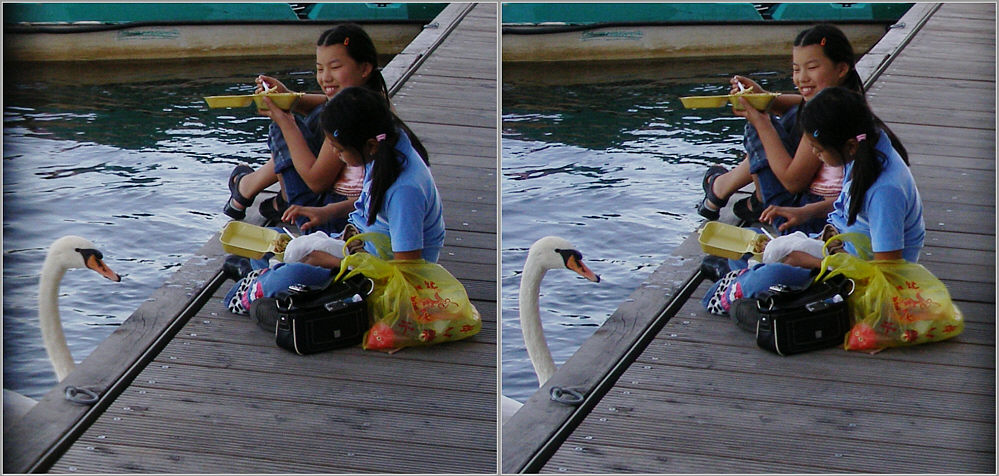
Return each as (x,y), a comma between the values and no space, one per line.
(274,85)
(754,116)
(748,84)
(278,115)
(315,215)
(794,216)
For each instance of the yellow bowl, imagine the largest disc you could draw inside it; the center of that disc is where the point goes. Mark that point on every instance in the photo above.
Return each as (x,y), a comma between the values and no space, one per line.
(283,100)
(758,100)
(251,241)
(728,241)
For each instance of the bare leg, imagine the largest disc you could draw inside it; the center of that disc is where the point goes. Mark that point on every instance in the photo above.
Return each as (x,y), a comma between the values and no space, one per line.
(252,183)
(733,180)
(726,184)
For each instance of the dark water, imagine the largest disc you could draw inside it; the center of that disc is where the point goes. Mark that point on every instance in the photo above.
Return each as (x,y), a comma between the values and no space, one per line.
(606,157)
(128,156)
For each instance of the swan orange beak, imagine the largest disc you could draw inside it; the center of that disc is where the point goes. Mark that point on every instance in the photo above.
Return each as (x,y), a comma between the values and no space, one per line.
(576,265)
(97,264)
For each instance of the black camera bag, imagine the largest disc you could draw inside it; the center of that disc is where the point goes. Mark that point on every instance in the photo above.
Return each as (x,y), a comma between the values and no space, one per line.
(800,320)
(308,319)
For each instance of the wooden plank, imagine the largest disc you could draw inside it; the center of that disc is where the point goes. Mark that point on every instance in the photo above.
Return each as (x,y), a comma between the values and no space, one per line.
(221,395)
(763,432)
(704,380)
(539,418)
(31,438)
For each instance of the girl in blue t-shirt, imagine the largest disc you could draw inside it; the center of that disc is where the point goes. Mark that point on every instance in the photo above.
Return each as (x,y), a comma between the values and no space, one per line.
(879,197)
(301,160)
(399,197)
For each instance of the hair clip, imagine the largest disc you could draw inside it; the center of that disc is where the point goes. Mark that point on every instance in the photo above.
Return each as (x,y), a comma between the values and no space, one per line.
(336,133)
(861,137)
(346,41)
(380,137)
(823,42)
(816,133)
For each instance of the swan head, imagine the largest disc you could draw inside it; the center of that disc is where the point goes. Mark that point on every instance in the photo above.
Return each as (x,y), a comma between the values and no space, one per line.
(71,252)
(552,252)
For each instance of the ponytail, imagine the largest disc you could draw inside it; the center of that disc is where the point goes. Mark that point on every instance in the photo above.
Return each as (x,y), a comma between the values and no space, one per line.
(837,48)
(832,118)
(357,115)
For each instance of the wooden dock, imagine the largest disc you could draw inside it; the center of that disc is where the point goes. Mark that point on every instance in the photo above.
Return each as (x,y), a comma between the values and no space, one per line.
(671,389)
(187,387)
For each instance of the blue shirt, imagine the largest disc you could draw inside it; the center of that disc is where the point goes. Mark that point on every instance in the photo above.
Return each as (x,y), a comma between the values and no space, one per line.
(892,214)
(411,213)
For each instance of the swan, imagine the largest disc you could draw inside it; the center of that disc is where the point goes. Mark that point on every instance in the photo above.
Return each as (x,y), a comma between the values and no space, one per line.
(66,253)
(550,252)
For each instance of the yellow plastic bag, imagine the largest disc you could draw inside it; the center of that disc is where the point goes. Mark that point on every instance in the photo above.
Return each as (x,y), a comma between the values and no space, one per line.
(895,302)
(413,303)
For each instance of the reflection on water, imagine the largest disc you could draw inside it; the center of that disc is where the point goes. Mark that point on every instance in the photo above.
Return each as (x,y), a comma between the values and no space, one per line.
(128,156)
(611,161)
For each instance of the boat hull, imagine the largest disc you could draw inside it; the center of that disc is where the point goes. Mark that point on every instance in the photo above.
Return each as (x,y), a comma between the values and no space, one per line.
(186,41)
(643,42)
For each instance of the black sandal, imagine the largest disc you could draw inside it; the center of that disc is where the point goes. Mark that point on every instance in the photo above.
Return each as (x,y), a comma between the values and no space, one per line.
(273,208)
(748,209)
(234,178)
(707,183)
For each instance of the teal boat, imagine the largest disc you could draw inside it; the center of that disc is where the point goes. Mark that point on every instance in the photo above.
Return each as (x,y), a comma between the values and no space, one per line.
(634,31)
(144,31)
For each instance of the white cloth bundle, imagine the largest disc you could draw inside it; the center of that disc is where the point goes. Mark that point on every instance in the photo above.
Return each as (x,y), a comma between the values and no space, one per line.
(778,248)
(299,248)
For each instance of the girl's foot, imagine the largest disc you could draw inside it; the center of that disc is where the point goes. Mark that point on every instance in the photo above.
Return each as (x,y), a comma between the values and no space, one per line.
(273,208)
(749,208)
(710,206)
(235,207)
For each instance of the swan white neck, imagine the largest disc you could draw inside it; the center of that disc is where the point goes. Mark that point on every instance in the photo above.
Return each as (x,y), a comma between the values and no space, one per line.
(530,321)
(49,320)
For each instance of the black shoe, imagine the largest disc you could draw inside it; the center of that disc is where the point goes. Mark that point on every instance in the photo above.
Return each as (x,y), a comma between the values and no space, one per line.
(235,267)
(265,313)
(273,208)
(237,174)
(744,314)
(714,267)
(748,209)
(708,183)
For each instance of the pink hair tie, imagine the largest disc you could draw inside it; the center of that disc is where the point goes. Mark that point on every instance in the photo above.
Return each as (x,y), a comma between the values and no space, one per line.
(861,137)
(380,137)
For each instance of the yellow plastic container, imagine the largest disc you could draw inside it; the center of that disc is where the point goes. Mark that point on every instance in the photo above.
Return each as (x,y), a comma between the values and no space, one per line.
(282,100)
(251,241)
(728,241)
(759,101)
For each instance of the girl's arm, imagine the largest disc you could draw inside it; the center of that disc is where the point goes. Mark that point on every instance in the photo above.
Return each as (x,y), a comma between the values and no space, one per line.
(318,173)
(322,259)
(780,104)
(795,173)
(897,254)
(400,255)
(304,105)
(318,215)
(309,102)
(797,215)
